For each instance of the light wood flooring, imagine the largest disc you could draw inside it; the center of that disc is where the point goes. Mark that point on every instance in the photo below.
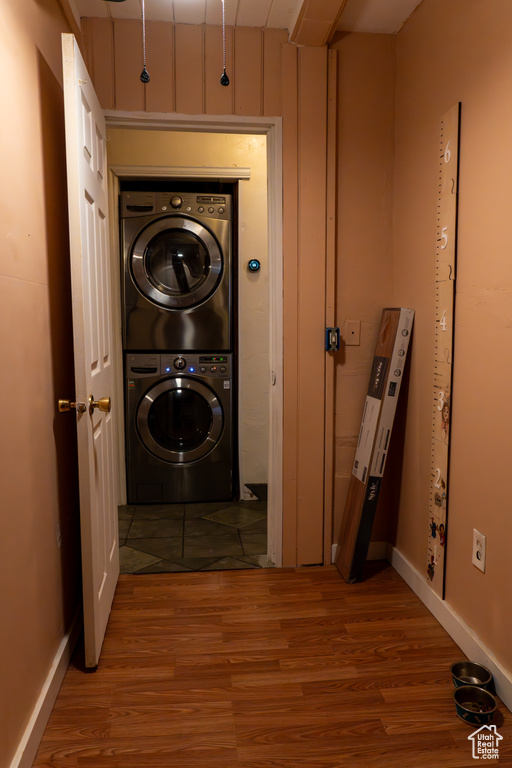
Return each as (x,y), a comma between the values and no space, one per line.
(265,669)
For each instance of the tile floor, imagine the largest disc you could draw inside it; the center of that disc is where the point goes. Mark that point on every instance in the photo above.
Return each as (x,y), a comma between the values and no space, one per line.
(193,537)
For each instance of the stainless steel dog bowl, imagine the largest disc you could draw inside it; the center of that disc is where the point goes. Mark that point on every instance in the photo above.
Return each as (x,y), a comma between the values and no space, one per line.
(474,705)
(471,673)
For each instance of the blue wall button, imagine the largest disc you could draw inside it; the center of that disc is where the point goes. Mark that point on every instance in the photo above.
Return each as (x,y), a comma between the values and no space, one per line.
(254,265)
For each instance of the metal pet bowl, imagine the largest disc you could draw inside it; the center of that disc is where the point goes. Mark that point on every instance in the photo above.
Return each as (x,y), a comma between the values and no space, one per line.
(471,673)
(474,705)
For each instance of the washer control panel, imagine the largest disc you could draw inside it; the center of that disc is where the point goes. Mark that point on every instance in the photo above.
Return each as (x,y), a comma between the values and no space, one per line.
(139,203)
(211,206)
(142,365)
(216,366)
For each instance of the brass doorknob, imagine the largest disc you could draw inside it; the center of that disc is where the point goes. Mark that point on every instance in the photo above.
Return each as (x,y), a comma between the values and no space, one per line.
(67,405)
(104,404)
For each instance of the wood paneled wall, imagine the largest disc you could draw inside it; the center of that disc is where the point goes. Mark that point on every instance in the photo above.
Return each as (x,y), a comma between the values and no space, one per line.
(269,77)
(185,64)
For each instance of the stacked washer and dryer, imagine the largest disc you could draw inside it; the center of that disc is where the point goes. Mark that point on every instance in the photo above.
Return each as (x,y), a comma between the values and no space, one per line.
(177,296)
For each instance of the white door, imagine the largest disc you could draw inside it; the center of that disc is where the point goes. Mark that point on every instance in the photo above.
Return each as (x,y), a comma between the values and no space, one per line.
(92,331)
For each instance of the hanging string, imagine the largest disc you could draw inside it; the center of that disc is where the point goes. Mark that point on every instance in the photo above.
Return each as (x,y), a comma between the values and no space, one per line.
(144,76)
(224,80)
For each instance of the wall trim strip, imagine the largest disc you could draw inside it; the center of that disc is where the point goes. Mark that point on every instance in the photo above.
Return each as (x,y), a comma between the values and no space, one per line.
(182,172)
(33,733)
(466,639)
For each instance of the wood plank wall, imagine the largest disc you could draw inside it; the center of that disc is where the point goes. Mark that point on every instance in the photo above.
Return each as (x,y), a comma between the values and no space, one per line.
(269,77)
(184,62)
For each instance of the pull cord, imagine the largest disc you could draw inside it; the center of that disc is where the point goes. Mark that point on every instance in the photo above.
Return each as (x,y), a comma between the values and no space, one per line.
(224,80)
(144,76)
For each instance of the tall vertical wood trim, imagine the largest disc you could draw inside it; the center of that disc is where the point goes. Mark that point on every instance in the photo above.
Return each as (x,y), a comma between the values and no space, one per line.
(330,300)
(248,69)
(290,302)
(100,59)
(85,43)
(273,41)
(189,69)
(128,60)
(159,91)
(311,297)
(218,99)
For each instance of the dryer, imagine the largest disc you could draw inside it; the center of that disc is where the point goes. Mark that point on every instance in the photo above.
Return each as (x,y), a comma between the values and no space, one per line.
(177,271)
(179,427)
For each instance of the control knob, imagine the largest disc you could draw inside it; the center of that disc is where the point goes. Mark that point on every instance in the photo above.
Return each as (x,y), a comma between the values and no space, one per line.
(176,201)
(180,363)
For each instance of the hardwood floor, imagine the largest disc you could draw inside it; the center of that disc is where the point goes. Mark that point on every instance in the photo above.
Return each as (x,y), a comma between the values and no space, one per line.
(265,669)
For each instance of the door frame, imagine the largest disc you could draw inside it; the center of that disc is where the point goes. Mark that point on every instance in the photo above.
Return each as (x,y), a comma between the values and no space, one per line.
(272,129)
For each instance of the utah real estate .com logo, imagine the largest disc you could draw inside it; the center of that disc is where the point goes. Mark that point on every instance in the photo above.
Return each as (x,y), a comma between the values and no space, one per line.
(486,743)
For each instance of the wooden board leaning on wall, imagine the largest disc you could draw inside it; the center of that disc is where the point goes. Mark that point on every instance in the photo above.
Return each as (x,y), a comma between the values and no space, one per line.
(373,443)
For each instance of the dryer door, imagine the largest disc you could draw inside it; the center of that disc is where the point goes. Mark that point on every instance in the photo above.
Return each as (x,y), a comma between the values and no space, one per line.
(180,420)
(176,262)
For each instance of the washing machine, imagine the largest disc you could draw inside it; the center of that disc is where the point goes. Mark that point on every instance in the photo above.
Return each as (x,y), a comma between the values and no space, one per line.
(179,427)
(177,271)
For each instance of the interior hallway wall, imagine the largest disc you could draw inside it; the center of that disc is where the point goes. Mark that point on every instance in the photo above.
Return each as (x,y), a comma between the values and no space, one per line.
(450,52)
(39,546)
(269,77)
(185,149)
(365,100)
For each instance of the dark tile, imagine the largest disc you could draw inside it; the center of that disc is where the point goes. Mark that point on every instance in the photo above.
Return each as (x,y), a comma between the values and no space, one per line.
(261,561)
(163,549)
(257,506)
(125,512)
(163,566)
(236,516)
(228,564)
(202,527)
(200,510)
(213,546)
(153,529)
(260,526)
(254,543)
(194,563)
(131,560)
(124,527)
(159,511)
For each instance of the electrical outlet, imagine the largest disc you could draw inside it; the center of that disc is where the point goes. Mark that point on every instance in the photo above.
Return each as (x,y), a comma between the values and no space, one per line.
(479,550)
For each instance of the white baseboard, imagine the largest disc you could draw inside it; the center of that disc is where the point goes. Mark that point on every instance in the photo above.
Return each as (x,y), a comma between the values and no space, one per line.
(31,738)
(466,639)
(378,550)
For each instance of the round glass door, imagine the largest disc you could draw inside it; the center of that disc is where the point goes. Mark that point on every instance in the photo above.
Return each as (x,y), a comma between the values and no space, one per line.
(180,420)
(176,262)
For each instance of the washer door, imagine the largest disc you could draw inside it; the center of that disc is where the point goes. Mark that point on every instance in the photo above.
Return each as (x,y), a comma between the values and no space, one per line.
(176,262)
(180,420)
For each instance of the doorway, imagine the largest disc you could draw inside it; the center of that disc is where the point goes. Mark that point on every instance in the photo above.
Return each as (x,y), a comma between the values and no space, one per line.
(251,161)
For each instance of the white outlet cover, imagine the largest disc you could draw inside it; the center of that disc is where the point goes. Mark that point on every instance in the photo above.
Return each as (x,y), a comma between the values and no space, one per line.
(479,550)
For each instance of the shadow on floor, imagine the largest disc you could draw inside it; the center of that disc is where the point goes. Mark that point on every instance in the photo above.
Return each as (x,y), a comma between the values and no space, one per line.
(169,538)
